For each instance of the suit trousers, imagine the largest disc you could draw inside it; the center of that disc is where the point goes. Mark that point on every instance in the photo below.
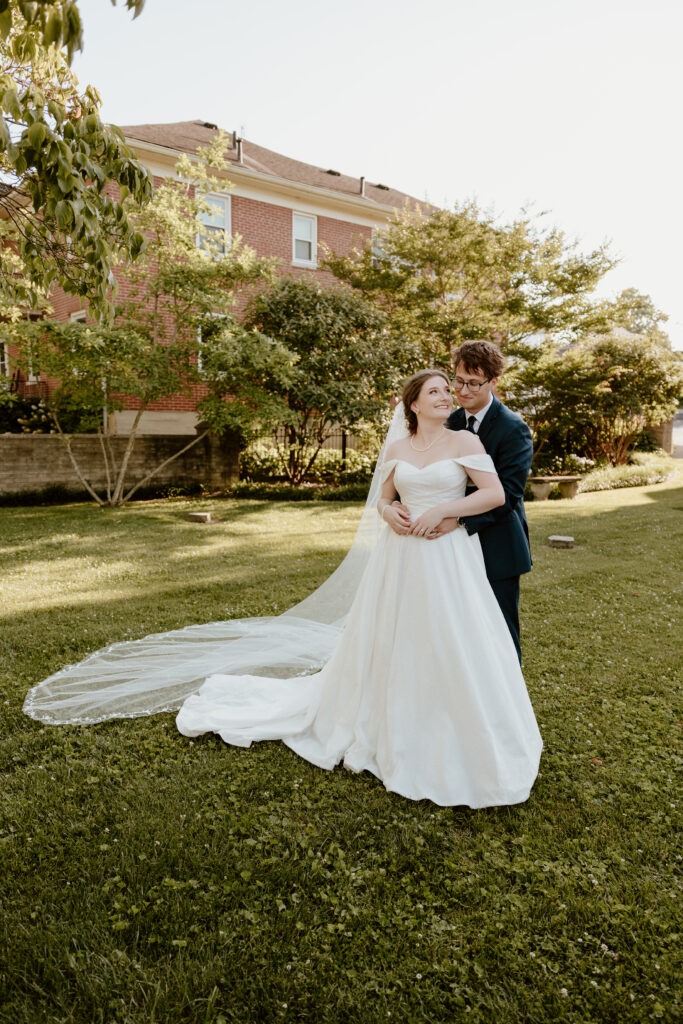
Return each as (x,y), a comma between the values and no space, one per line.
(507,595)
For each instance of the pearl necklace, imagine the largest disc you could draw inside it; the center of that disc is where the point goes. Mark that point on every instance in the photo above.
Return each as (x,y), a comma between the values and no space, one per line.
(439,437)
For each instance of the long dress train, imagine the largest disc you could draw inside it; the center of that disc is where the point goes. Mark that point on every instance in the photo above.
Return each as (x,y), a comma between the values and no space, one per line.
(423,688)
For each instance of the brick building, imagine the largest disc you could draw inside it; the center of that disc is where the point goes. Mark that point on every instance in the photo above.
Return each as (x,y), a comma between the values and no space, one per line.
(281,207)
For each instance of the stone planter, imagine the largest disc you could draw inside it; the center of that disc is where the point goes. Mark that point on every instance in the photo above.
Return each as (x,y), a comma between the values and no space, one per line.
(569,486)
(541,485)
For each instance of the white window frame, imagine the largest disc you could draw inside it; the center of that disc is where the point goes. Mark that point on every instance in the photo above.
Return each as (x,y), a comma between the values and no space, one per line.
(311,219)
(214,199)
(79,316)
(31,377)
(4,359)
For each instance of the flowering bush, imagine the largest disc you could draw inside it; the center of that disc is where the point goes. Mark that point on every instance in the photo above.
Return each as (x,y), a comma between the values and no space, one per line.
(561,465)
(645,468)
(12,408)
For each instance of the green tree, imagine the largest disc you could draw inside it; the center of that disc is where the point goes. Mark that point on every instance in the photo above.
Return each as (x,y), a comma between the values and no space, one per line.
(595,398)
(445,276)
(635,312)
(64,175)
(347,365)
(174,333)
(56,22)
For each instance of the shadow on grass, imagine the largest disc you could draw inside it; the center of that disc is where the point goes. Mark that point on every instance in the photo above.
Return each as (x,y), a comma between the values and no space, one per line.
(673,497)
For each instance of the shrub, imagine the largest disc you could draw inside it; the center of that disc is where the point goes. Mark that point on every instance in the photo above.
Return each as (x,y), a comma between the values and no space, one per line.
(33,416)
(552,465)
(645,468)
(646,443)
(282,491)
(262,462)
(597,396)
(63,494)
(12,409)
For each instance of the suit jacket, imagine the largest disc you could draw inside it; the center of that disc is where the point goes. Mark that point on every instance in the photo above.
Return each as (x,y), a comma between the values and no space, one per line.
(503,531)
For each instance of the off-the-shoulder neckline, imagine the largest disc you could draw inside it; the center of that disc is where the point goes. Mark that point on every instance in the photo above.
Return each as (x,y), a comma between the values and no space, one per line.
(450,458)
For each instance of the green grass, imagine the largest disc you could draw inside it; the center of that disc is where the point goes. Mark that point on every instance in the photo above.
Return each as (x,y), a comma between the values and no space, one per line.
(148,878)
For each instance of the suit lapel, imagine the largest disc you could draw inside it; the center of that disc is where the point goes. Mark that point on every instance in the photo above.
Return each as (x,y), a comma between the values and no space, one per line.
(489,420)
(457,418)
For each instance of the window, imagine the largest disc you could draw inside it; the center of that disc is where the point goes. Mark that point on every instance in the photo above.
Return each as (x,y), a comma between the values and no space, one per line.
(305,239)
(4,360)
(214,234)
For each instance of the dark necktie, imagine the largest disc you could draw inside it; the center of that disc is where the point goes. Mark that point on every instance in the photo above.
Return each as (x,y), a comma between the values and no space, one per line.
(471,420)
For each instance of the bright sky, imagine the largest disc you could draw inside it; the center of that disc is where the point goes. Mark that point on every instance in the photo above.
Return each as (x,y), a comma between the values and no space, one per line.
(567,106)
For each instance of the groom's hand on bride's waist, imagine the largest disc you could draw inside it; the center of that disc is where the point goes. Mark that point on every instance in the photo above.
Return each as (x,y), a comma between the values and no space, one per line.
(444,527)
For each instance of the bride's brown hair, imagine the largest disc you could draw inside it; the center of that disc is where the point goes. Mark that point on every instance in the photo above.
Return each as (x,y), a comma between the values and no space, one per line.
(411,390)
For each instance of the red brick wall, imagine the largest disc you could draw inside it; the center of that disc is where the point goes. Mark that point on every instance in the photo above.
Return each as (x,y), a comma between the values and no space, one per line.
(64,305)
(267,229)
(264,227)
(340,235)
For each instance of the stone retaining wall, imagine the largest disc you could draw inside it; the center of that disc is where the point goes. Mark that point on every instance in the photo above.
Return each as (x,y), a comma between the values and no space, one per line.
(36,462)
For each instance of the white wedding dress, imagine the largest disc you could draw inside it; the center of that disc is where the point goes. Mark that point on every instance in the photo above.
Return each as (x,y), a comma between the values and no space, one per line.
(423,687)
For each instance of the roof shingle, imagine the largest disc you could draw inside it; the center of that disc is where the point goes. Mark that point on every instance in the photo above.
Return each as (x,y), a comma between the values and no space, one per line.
(189,136)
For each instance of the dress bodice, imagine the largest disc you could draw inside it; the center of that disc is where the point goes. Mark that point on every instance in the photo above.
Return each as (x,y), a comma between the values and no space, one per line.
(438,482)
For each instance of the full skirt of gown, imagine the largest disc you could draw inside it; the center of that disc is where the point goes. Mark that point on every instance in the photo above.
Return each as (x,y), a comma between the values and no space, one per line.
(424,687)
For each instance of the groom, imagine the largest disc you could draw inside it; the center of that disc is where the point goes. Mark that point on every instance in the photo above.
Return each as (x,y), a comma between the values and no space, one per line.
(503,531)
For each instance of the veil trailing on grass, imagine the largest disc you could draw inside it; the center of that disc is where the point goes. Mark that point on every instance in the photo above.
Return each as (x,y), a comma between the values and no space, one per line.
(157,673)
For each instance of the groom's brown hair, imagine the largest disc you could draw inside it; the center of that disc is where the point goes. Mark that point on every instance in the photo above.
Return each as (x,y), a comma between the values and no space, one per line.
(482,356)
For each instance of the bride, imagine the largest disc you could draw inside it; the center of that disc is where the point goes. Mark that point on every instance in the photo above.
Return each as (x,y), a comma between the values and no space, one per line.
(419,684)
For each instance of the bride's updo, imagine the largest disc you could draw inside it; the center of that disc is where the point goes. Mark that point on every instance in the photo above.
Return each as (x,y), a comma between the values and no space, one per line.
(411,390)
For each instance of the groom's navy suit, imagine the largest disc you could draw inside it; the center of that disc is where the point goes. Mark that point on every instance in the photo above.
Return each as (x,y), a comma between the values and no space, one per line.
(503,531)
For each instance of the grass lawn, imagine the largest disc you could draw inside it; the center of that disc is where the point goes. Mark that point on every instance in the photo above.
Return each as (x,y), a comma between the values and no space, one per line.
(147,878)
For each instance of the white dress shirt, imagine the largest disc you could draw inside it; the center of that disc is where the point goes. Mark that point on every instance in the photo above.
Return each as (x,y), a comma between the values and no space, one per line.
(478,416)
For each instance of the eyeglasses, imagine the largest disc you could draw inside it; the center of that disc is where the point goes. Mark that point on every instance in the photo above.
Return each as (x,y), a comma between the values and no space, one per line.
(472,385)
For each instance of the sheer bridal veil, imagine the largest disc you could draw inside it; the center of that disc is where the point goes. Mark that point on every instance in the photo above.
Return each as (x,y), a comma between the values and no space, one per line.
(158,672)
